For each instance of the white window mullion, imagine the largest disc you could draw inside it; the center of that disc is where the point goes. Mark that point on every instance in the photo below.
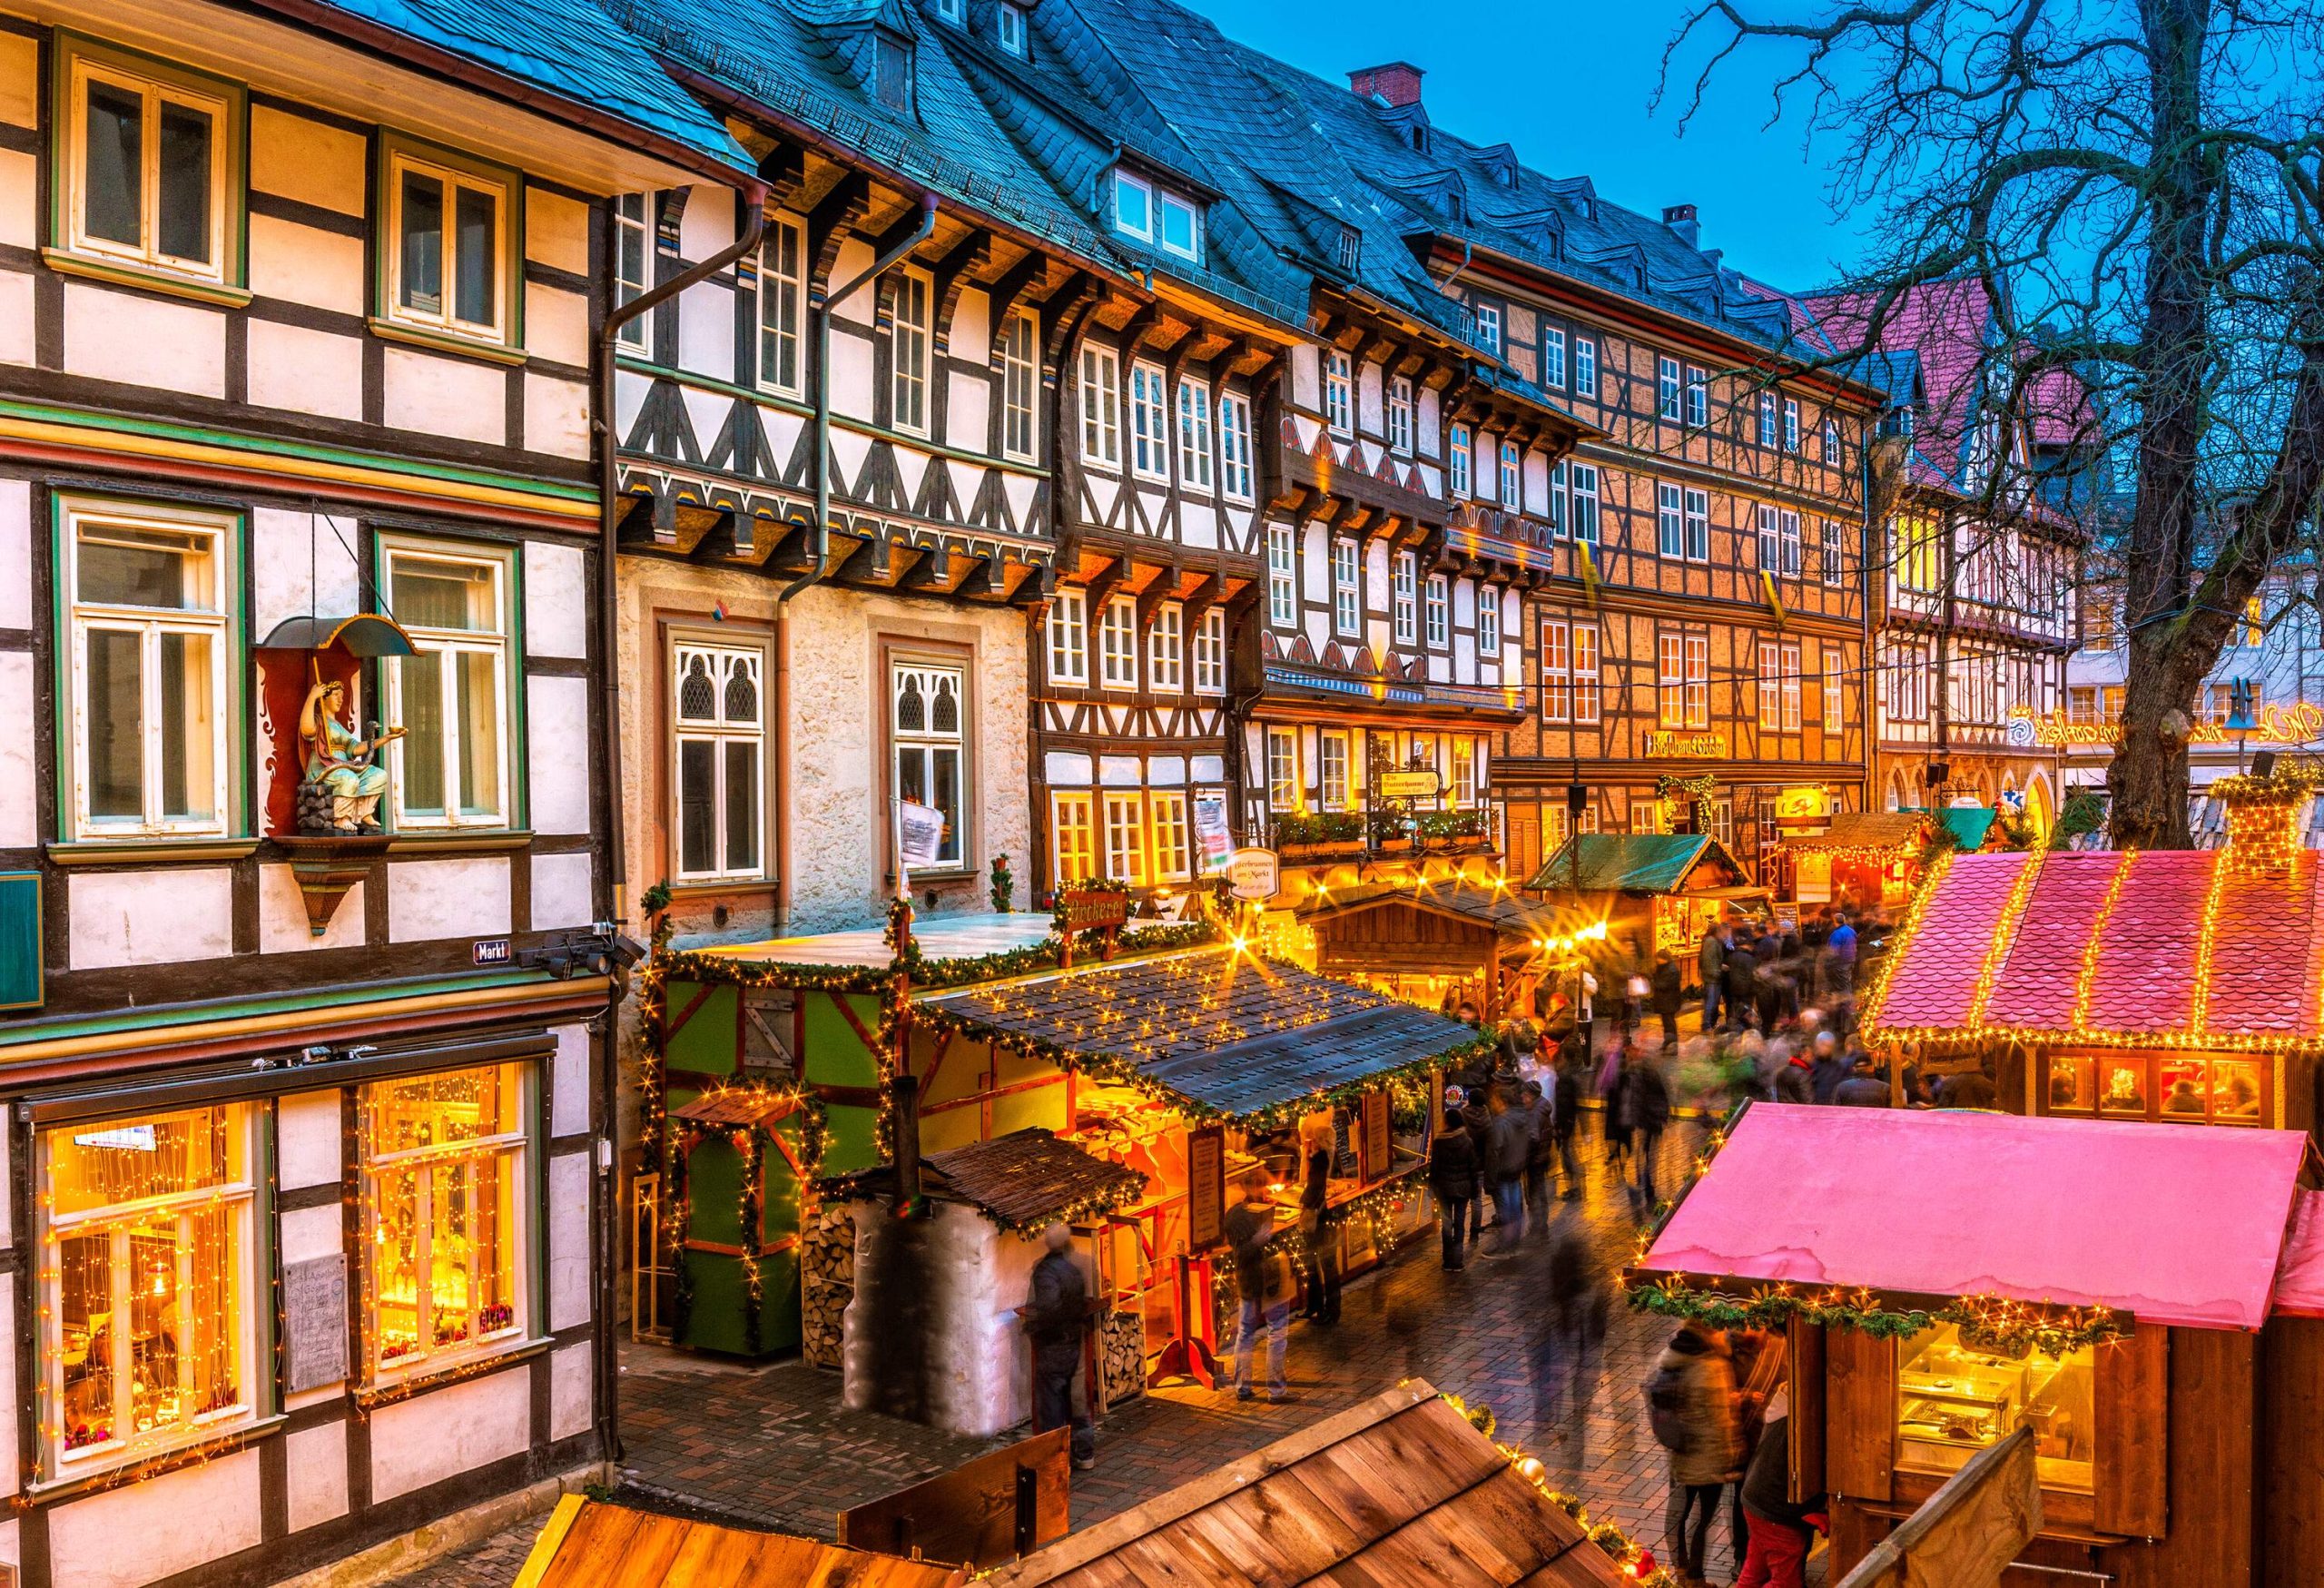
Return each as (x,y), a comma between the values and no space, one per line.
(149,698)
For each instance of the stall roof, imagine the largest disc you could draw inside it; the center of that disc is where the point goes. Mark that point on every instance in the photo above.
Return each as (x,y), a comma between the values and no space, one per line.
(1505,910)
(2300,1276)
(1968,823)
(2181,1225)
(1897,830)
(736,1105)
(1629,863)
(1399,1489)
(1027,1178)
(1224,1032)
(587,1544)
(2170,946)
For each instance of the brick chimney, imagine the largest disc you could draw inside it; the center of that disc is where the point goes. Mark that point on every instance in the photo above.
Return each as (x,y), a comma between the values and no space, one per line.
(1680,219)
(1398,82)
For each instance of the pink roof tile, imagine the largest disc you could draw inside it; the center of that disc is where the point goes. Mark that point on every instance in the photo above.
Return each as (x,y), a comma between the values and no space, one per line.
(2036,983)
(2264,953)
(1936,980)
(2145,979)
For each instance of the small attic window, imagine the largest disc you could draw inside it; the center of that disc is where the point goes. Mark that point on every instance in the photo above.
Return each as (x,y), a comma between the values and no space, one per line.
(1418,134)
(891,70)
(1008,26)
(955,12)
(1154,214)
(1347,250)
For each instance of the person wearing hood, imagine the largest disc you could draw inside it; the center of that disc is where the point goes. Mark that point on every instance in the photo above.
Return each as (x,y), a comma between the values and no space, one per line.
(1691,1407)
(1452,1178)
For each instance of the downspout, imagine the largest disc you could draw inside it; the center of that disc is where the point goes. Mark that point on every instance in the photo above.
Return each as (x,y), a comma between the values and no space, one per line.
(754,193)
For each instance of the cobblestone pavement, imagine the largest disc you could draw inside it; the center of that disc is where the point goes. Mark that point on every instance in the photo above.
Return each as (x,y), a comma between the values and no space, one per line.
(771,1446)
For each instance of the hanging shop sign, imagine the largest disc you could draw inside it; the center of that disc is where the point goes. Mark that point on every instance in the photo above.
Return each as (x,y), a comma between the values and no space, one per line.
(1695,747)
(1375,1154)
(1802,809)
(1205,1188)
(1424,785)
(1211,833)
(1254,876)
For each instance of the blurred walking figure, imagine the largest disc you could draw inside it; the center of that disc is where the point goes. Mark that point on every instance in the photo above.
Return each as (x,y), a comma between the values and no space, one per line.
(1319,1221)
(1577,1313)
(1690,1406)
(1507,1145)
(1641,1109)
(1540,1133)
(1668,995)
(1452,1178)
(1565,1120)
(1263,1284)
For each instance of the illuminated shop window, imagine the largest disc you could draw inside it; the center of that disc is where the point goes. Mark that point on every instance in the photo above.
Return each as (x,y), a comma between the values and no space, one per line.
(446,1219)
(1953,1400)
(2172,1089)
(146,1331)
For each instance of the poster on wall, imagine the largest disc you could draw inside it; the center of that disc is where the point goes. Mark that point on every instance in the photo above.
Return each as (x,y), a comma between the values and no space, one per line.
(1373,1150)
(1205,1187)
(920,833)
(1215,843)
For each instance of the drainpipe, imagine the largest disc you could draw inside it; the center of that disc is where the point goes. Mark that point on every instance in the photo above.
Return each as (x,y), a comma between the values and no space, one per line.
(822,314)
(754,195)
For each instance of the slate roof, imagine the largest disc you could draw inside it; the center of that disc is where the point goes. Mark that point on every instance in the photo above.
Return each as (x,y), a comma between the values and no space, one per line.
(1225,1035)
(574,48)
(1398,1489)
(1629,863)
(1026,1178)
(2100,944)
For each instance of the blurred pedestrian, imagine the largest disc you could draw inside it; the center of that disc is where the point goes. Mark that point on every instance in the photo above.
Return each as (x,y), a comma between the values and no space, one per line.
(1058,1314)
(1668,995)
(1540,1147)
(1711,961)
(1452,1178)
(1827,1070)
(1319,1221)
(1690,1408)
(1263,1284)
(1642,1109)
(1781,1531)
(1862,1089)
(1506,1147)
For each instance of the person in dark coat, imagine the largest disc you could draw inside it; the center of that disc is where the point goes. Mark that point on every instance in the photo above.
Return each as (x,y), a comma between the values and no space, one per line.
(1642,1108)
(1781,1533)
(1829,1069)
(1505,1147)
(1861,1088)
(1478,1116)
(1539,1146)
(1056,1316)
(1565,1114)
(1739,989)
(1794,1081)
(1711,961)
(1452,1178)
(1319,1222)
(1972,1089)
(1669,993)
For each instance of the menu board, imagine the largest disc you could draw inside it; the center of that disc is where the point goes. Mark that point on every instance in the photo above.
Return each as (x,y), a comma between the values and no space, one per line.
(314,1315)
(1374,1151)
(1205,1187)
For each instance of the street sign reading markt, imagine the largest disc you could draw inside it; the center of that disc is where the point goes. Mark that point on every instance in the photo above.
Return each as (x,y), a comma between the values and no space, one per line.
(1252,875)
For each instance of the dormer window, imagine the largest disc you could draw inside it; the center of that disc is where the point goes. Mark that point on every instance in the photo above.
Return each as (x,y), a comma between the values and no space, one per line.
(1008,26)
(1155,215)
(1347,252)
(891,72)
(955,12)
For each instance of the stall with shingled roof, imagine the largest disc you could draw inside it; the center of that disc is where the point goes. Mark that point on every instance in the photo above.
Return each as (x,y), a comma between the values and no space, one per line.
(1435,942)
(2174,986)
(1862,859)
(1652,890)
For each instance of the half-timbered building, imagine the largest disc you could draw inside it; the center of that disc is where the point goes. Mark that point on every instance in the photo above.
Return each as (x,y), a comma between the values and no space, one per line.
(301,1031)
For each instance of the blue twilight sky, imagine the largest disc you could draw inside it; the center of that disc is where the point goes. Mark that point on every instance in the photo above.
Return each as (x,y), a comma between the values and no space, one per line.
(1569,86)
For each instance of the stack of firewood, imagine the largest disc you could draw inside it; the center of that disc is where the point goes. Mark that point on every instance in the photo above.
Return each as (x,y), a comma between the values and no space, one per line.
(826,1282)
(1121,1347)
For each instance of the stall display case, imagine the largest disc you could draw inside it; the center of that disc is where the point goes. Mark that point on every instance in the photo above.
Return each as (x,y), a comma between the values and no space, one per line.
(1954,1400)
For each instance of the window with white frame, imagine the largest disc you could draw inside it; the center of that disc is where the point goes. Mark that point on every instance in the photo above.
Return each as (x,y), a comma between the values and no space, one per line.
(1582,482)
(1100,395)
(1193,435)
(1766,418)
(1069,638)
(1283,576)
(1788,531)
(1553,356)
(1795,683)
(449,254)
(1770,540)
(928,733)
(1073,839)
(1339,392)
(1585,367)
(1557,671)
(1347,591)
(1790,424)
(448,1212)
(1512,475)
(1403,603)
(1282,769)
(718,762)
(1125,837)
(1117,644)
(1020,387)
(1149,425)
(1665,388)
(153,604)
(1586,691)
(1172,852)
(151,166)
(1561,501)
(908,350)
(1334,791)
(1698,680)
(1697,524)
(1436,610)
(1831,442)
(1165,648)
(953,11)
(1670,680)
(633,259)
(1464,789)
(148,1297)
(1489,328)
(1834,681)
(1234,446)
(1489,625)
(1460,456)
(783,298)
(1210,653)
(1154,214)
(1835,566)
(1780,687)
(1698,398)
(1399,415)
(1669,519)
(1009,27)
(450,697)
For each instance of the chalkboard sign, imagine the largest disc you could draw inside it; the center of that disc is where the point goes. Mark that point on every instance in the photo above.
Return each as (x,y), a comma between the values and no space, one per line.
(1205,1188)
(1373,1147)
(314,1321)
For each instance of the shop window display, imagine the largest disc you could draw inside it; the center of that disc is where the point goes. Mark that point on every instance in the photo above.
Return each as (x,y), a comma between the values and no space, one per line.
(2172,1088)
(1953,1400)
(444,1206)
(146,1319)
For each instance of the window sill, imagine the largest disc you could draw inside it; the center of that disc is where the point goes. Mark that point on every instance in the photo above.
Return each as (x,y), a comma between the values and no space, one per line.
(128,851)
(444,342)
(121,274)
(206,1446)
(716,887)
(420,1380)
(457,841)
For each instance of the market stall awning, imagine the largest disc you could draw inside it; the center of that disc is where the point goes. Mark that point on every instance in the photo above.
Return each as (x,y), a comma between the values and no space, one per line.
(1222,1032)
(1631,863)
(1506,910)
(2179,1225)
(588,1543)
(1968,824)
(1399,1489)
(1900,832)
(2166,945)
(732,1106)
(2299,1275)
(1029,1177)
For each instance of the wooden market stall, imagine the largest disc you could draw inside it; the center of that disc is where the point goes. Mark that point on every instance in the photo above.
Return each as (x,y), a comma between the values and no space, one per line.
(2184,986)
(1863,859)
(1653,889)
(1427,943)
(593,1544)
(1949,1277)
(1399,1489)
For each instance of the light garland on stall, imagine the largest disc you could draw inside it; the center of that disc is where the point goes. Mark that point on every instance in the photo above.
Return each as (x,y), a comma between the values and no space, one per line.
(1374,1210)
(1634,1560)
